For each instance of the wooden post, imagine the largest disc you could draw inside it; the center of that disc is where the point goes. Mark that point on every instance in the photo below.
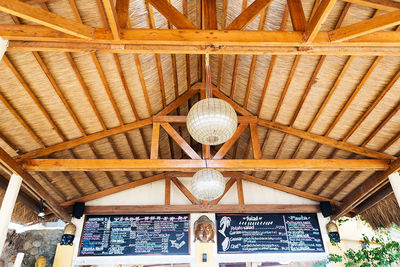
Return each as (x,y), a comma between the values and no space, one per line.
(7,206)
(394,179)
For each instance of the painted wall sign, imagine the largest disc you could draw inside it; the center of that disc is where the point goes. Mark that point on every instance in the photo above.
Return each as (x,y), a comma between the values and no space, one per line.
(135,235)
(263,233)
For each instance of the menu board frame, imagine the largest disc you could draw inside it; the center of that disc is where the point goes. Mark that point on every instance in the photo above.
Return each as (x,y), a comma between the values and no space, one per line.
(135,255)
(266,252)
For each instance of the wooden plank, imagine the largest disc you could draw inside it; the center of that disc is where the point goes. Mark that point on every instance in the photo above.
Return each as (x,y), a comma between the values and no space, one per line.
(122,8)
(178,102)
(155,139)
(167,196)
(366,26)
(249,14)
(297,15)
(114,190)
(165,209)
(43,17)
(172,14)
(86,139)
(387,5)
(112,18)
(287,189)
(194,165)
(255,141)
(228,144)
(324,140)
(228,186)
(210,14)
(319,17)
(32,2)
(240,190)
(180,141)
(185,191)
(366,189)
(15,167)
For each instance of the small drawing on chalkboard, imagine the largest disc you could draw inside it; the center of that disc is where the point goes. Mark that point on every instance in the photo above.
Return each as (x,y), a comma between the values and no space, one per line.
(225,223)
(175,244)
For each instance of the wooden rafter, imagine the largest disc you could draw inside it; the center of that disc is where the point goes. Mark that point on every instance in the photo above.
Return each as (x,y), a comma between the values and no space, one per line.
(366,26)
(228,144)
(228,186)
(194,165)
(122,9)
(387,5)
(112,18)
(43,17)
(367,188)
(15,167)
(155,140)
(324,140)
(185,191)
(255,141)
(172,14)
(87,139)
(297,15)
(317,19)
(249,14)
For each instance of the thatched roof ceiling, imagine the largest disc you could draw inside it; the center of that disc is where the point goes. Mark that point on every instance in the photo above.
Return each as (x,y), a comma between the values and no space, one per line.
(50,97)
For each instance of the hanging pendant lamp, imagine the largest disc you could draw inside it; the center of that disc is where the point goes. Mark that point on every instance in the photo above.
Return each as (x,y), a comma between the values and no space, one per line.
(211,121)
(208,184)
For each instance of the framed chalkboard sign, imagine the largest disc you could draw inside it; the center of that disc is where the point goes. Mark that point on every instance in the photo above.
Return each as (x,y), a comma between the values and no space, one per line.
(109,235)
(265,233)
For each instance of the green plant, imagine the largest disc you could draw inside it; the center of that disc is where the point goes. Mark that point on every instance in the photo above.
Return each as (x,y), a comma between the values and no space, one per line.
(381,252)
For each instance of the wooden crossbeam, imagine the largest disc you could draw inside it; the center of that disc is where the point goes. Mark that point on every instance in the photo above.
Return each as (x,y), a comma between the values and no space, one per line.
(249,14)
(180,141)
(228,144)
(185,191)
(366,189)
(213,39)
(86,139)
(317,19)
(367,26)
(15,167)
(227,208)
(324,140)
(195,165)
(48,19)
(286,189)
(181,120)
(114,190)
(172,14)
(387,5)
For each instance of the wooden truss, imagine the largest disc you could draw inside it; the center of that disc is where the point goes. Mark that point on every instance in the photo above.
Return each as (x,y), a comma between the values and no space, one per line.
(56,33)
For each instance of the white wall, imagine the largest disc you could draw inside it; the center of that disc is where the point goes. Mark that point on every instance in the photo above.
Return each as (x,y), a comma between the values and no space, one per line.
(153,194)
(3,47)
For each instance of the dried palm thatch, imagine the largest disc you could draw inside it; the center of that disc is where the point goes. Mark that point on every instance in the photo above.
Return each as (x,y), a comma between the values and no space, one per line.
(383,214)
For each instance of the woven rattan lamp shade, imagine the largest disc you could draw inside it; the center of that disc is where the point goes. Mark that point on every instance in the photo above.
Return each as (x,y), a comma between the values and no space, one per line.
(211,121)
(208,184)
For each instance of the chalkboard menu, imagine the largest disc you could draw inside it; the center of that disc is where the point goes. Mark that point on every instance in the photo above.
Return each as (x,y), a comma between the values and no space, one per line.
(135,235)
(260,233)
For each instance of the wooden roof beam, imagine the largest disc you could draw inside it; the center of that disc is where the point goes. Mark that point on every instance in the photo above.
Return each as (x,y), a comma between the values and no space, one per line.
(45,18)
(366,26)
(324,140)
(122,9)
(87,139)
(194,165)
(172,14)
(387,5)
(366,189)
(112,18)
(249,14)
(297,15)
(319,17)
(16,168)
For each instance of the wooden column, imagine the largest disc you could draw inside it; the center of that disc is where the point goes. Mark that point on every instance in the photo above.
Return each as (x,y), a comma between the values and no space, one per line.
(394,179)
(7,206)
